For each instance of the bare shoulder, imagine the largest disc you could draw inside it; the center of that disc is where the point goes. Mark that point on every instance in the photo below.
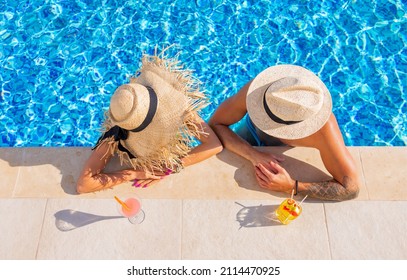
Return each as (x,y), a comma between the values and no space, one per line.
(329,136)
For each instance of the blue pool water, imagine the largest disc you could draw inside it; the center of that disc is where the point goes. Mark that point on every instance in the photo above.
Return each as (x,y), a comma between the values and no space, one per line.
(62,59)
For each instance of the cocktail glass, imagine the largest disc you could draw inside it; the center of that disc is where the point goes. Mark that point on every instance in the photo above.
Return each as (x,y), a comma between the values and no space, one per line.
(288,210)
(130,207)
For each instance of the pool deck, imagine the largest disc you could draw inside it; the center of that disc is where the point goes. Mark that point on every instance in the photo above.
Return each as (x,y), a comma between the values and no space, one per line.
(213,210)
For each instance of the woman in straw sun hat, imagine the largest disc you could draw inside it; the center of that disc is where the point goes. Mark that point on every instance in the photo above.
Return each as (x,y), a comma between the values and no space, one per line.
(150,125)
(288,105)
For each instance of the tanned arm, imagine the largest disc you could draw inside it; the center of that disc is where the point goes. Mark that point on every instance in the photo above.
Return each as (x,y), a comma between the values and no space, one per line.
(209,146)
(92,177)
(339,162)
(331,190)
(230,112)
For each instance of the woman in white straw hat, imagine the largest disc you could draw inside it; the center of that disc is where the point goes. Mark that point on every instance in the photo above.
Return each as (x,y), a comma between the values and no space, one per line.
(288,105)
(150,124)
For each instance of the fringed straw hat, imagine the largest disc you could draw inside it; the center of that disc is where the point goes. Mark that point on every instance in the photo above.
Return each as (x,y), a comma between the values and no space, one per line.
(152,120)
(288,102)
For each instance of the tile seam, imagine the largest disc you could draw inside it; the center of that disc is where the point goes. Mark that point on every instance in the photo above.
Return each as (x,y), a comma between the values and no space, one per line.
(327,231)
(13,194)
(363,173)
(42,228)
(18,174)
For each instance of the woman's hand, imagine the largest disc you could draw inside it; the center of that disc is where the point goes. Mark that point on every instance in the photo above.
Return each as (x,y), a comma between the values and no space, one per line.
(143,179)
(145,183)
(132,174)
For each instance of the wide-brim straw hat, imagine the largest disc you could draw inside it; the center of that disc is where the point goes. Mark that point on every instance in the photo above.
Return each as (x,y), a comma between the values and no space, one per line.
(158,113)
(288,102)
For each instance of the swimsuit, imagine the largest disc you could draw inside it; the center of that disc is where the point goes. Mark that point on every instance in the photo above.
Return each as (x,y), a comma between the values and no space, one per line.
(256,137)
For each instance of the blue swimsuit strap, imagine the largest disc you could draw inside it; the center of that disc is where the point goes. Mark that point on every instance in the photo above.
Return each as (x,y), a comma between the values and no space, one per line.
(252,130)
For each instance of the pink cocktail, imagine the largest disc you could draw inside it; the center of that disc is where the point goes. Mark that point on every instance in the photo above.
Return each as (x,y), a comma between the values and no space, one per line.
(131,209)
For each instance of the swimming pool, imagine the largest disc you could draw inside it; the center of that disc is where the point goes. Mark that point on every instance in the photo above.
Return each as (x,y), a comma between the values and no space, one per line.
(62,59)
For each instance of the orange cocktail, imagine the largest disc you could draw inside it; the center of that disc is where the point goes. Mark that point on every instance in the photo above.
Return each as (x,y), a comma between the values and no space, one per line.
(288,210)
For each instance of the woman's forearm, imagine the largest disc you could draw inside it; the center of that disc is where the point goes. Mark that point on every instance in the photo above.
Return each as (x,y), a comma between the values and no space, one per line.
(210,145)
(88,183)
(202,152)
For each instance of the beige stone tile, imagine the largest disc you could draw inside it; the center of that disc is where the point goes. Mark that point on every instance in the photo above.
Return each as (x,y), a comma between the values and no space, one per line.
(363,192)
(50,172)
(225,176)
(225,229)
(10,162)
(20,227)
(228,176)
(157,237)
(304,164)
(367,230)
(385,171)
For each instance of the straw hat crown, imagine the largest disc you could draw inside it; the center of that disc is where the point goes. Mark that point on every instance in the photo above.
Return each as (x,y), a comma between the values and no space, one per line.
(129,105)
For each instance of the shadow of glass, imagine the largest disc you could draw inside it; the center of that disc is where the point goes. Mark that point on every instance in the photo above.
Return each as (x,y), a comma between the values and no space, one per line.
(68,219)
(257,216)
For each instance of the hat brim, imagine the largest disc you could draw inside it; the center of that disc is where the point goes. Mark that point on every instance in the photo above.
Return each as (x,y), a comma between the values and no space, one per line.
(259,116)
(168,137)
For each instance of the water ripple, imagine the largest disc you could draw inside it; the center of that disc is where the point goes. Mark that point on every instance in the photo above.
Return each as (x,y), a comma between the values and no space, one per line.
(61,60)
